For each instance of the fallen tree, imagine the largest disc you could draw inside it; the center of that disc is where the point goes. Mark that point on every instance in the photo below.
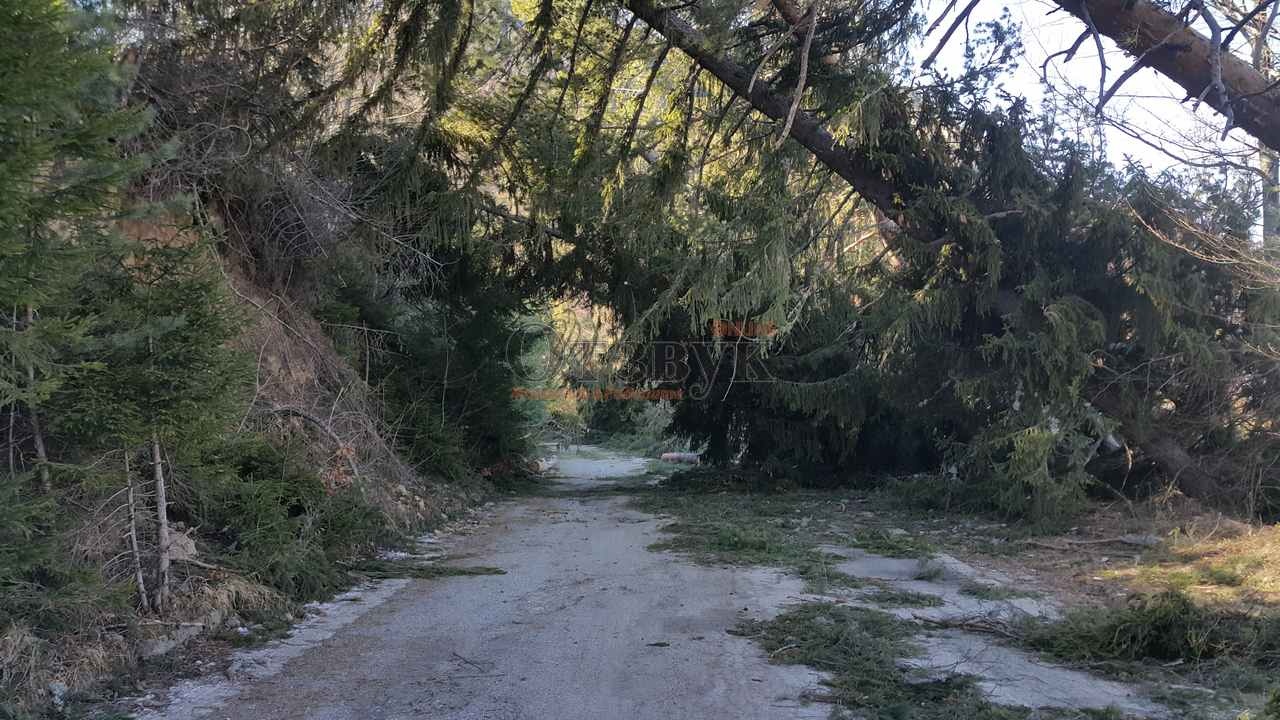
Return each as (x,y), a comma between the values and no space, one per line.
(899,177)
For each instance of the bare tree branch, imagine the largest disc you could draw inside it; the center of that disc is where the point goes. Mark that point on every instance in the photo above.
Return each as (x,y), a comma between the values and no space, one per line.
(946,37)
(1140,25)
(1097,41)
(804,75)
(1069,53)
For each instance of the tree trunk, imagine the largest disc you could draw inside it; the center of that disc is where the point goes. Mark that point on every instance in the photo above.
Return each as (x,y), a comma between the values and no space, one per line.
(1269,163)
(143,599)
(162,527)
(1166,452)
(1143,28)
(1176,463)
(13,412)
(1268,159)
(37,434)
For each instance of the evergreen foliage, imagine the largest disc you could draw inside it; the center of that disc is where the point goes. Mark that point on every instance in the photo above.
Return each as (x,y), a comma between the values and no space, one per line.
(1030,308)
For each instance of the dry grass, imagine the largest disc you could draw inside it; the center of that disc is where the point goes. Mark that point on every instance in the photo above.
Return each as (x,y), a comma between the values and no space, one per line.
(29,665)
(298,366)
(1239,570)
(229,593)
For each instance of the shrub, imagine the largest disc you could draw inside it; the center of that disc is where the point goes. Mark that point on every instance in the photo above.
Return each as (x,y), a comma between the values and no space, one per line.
(273,518)
(1163,626)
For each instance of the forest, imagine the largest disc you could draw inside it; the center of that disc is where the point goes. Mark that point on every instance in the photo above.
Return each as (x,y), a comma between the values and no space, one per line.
(280,279)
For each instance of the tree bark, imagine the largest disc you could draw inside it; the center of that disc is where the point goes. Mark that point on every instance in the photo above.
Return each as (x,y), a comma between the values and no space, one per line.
(162,527)
(1178,465)
(1165,451)
(1269,163)
(13,412)
(143,600)
(1268,159)
(1141,26)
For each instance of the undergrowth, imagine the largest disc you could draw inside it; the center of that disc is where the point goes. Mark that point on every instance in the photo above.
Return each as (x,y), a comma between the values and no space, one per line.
(1164,626)
(1226,648)
(273,519)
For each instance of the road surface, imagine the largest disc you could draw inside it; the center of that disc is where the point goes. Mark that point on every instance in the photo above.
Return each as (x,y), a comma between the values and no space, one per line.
(585,624)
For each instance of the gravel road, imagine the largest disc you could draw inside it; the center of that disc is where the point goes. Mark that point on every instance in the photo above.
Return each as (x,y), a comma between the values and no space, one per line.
(585,624)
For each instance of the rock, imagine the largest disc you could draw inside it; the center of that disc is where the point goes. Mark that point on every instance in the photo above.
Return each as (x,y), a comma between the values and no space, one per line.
(161,645)
(182,546)
(58,694)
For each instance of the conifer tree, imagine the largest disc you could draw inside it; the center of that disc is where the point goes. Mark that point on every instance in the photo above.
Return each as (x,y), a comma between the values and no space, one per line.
(60,172)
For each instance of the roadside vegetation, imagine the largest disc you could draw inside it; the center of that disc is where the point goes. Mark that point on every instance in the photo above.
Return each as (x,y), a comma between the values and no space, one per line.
(862,650)
(220,398)
(1194,638)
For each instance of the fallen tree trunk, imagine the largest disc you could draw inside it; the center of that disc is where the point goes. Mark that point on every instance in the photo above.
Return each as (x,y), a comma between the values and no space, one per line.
(1180,53)
(855,165)
(878,185)
(1165,451)
(1177,463)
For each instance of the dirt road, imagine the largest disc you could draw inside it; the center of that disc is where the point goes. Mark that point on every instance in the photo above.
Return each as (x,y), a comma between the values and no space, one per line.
(586,623)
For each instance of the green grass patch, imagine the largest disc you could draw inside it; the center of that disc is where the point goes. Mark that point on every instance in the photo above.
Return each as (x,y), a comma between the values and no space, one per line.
(749,529)
(725,517)
(891,544)
(860,648)
(890,597)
